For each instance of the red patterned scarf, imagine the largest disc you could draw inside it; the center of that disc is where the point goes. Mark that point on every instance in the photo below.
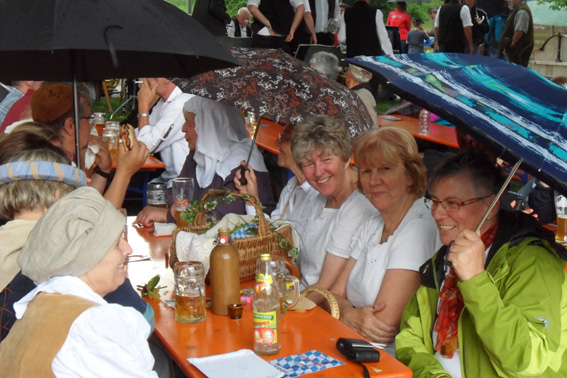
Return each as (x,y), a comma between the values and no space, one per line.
(450,307)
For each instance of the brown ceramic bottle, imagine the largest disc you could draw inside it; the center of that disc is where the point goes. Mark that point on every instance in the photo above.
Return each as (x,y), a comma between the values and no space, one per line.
(224,274)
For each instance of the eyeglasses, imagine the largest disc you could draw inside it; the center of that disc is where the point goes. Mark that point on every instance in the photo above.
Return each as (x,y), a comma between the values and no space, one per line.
(451,206)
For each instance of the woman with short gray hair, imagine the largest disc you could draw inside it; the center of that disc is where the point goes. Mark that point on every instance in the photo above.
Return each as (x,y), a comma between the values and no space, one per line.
(322,147)
(326,63)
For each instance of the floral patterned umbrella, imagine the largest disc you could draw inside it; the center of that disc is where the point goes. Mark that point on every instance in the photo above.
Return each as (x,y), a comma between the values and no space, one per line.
(281,88)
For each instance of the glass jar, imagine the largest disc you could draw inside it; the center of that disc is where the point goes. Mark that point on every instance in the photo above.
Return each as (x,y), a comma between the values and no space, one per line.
(155,194)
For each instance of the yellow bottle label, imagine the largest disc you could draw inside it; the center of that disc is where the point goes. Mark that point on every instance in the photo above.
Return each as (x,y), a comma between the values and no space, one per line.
(265,327)
(263,281)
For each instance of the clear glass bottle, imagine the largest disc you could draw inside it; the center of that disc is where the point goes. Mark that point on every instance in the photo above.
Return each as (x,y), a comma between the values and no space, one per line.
(424,121)
(224,274)
(266,308)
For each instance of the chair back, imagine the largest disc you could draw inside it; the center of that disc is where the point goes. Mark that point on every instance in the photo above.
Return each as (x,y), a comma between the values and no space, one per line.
(305,52)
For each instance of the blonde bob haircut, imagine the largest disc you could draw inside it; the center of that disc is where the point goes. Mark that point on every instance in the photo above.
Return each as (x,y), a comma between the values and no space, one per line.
(326,133)
(32,194)
(390,145)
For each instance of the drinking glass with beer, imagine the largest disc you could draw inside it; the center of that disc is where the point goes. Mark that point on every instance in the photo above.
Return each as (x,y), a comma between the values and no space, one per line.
(182,188)
(561,210)
(190,299)
(99,121)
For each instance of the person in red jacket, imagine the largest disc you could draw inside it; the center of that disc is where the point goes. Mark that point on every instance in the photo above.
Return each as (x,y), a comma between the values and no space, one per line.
(402,20)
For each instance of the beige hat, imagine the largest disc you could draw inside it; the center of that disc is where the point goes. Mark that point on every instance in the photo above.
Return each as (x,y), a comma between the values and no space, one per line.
(359,74)
(72,237)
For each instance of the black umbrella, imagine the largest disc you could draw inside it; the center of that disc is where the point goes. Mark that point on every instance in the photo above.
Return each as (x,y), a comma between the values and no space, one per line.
(80,40)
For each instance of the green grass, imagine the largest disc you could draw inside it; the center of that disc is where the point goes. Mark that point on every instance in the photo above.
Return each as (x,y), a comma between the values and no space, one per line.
(101,106)
(382,106)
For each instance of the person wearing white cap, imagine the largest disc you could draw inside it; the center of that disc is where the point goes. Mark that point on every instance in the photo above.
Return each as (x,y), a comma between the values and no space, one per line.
(358,80)
(76,255)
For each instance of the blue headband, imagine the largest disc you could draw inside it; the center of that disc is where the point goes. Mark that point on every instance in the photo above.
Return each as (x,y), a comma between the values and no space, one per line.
(41,170)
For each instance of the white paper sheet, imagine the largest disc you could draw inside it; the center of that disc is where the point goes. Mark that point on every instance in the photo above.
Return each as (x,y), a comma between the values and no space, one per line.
(240,364)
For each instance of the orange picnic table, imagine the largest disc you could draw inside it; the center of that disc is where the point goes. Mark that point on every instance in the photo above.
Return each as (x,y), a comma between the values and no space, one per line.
(441,134)
(300,331)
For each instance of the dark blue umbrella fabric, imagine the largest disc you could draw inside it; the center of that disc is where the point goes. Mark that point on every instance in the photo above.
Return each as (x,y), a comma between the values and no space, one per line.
(513,110)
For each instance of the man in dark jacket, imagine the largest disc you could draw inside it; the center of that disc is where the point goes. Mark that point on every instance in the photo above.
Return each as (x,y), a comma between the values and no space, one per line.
(453,28)
(518,34)
(212,15)
(363,30)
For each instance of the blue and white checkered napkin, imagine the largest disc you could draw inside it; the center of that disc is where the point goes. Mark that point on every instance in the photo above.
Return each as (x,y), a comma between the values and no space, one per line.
(308,362)
(247,231)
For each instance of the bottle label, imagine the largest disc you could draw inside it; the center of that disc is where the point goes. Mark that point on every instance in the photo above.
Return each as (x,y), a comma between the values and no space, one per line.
(265,327)
(262,282)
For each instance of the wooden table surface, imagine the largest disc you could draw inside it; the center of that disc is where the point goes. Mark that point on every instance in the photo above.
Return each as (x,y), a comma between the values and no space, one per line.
(268,135)
(300,331)
(150,164)
(440,134)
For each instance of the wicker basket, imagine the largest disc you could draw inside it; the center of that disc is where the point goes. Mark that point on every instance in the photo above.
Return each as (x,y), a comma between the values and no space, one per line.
(249,249)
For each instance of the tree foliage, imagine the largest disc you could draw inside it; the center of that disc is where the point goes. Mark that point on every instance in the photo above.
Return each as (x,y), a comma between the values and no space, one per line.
(554,4)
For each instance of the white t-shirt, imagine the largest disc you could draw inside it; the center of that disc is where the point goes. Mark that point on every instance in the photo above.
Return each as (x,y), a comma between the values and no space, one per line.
(412,244)
(174,149)
(329,231)
(108,340)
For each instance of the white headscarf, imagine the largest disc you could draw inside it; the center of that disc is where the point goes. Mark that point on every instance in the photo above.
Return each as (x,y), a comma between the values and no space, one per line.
(222,140)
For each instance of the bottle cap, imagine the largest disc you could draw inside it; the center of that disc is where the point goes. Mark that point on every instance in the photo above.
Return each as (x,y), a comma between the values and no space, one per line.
(224,235)
(264,256)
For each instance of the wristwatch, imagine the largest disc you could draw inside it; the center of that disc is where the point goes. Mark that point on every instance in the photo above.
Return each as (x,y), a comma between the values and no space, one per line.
(101,173)
(140,115)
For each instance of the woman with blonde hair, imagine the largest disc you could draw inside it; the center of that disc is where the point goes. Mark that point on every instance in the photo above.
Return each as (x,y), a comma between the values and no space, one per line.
(382,272)
(30,182)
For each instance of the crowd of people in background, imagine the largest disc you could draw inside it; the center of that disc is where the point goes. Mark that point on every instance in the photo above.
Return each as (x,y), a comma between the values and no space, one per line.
(398,251)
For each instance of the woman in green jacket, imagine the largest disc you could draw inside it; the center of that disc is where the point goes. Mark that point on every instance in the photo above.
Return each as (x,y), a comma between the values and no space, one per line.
(491,304)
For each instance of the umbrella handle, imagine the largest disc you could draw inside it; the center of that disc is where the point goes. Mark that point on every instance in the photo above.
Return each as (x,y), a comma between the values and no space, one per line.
(243,169)
(500,192)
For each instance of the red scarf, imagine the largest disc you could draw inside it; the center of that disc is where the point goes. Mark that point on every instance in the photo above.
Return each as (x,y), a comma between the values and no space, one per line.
(450,307)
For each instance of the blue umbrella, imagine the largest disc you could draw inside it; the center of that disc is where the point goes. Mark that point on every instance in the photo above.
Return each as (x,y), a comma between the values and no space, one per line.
(514,111)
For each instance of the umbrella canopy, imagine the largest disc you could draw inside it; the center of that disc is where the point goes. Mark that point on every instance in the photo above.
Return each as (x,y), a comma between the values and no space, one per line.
(279,87)
(513,110)
(101,39)
(81,40)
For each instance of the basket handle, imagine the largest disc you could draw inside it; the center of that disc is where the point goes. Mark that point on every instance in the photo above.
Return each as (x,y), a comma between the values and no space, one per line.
(333,304)
(263,226)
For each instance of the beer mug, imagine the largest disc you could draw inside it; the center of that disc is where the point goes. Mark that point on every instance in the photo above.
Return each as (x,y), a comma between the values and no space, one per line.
(111,139)
(99,121)
(190,299)
(561,210)
(288,285)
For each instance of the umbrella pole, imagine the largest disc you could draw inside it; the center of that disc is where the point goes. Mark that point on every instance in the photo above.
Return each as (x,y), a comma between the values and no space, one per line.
(500,192)
(76,111)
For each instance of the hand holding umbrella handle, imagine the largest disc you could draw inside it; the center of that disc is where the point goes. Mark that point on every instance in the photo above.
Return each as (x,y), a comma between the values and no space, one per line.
(243,170)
